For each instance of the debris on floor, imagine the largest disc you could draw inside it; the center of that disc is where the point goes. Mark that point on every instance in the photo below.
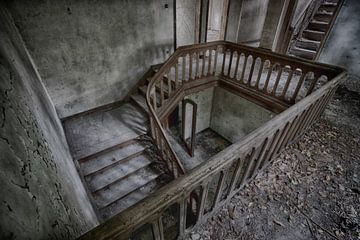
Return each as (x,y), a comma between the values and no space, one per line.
(311,191)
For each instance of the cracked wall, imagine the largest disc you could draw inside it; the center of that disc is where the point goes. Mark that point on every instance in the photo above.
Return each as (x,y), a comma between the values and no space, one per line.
(91,53)
(41,194)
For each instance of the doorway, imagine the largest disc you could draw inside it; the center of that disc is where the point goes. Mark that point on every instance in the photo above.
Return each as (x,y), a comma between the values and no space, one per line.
(217,20)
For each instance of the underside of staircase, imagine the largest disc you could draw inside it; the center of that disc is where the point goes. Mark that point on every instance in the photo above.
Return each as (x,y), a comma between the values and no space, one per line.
(310,41)
(115,157)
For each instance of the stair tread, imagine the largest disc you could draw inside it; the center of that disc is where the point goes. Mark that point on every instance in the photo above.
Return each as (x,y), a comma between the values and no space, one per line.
(304,50)
(308,40)
(116,173)
(314,31)
(98,131)
(141,101)
(129,200)
(107,159)
(119,190)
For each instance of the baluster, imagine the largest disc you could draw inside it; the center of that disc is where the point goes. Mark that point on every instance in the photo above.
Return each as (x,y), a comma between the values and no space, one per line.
(182,217)
(190,66)
(220,187)
(176,75)
(223,63)
(248,168)
(243,70)
(162,91)
(203,64)
(183,69)
(283,135)
(169,84)
(235,177)
(259,74)
(279,140)
(197,65)
(287,84)
(261,155)
(215,61)
(209,63)
(158,229)
(271,68)
(273,92)
(204,193)
(299,122)
(285,142)
(298,86)
(154,100)
(251,71)
(238,55)
(313,84)
(269,152)
(230,62)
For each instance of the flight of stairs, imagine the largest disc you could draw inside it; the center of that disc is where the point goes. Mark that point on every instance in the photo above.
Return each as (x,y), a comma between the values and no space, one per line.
(115,157)
(310,41)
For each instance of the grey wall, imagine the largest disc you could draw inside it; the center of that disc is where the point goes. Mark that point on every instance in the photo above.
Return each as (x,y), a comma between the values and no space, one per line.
(41,194)
(204,101)
(246,21)
(185,22)
(343,45)
(90,53)
(234,117)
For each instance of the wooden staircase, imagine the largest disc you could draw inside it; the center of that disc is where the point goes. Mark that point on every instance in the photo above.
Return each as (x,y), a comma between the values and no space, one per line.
(309,43)
(114,156)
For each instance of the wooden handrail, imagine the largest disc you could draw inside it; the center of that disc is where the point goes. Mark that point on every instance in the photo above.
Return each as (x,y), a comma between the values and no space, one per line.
(239,163)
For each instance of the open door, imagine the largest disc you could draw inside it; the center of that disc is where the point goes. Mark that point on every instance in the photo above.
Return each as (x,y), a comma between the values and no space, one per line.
(189,147)
(217,20)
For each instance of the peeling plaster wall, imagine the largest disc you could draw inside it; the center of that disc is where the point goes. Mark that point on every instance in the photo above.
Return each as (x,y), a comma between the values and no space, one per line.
(41,194)
(91,53)
(343,45)
(234,117)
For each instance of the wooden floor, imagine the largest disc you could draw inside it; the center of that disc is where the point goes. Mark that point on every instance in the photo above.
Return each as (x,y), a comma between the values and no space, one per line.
(112,157)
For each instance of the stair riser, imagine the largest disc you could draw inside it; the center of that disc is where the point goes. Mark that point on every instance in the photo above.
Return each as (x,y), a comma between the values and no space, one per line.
(322,17)
(307,45)
(313,36)
(302,54)
(318,26)
(327,8)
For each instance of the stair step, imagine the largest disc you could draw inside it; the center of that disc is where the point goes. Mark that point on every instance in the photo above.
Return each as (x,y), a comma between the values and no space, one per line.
(96,132)
(328,7)
(307,44)
(303,53)
(318,26)
(111,157)
(323,16)
(117,172)
(313,35)
(114,192)
(140,101)
(129,200)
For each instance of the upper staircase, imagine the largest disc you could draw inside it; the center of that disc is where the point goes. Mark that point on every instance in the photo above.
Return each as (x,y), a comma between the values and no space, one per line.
(310,40)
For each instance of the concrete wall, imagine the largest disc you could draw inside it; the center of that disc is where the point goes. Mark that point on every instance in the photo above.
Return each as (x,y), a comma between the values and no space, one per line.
(234,117)
(246,20)
(203,100)
(41,195)
(90,53)
(343,45)
(185,22)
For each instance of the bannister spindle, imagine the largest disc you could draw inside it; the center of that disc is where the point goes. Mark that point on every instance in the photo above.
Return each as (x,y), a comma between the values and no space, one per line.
(299,122)
(215,61)
(272,146)
(285,141)
(223,62)
(238,55)
(197,65)
(243,70)
(298,86)
(313,84)
(183,68)
(169,84)
(203,64)
(266,85)
(287,84)
(248,167)
(220,187)
(230,62)
(259,74)
(251,70)
(263,150)
(176,75)
(162,98)
(209,63)
(190,66)
(235,178)
(278,77)
(204,193)
(182,217)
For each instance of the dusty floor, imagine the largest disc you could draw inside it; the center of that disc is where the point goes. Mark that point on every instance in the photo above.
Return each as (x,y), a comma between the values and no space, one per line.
(311,191)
